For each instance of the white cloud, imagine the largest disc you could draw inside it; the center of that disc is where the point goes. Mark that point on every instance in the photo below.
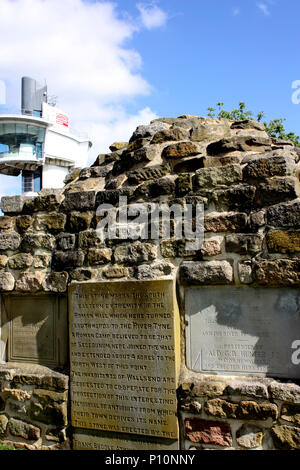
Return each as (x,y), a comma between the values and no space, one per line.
(236,11)
(83,51)
(264,8)
(151,15)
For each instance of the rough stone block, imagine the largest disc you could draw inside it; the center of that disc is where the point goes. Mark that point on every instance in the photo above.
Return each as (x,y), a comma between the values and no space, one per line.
(67,259)
(80,201)
(135,253)
(30,282)
(208,432)
(286,437)
(27,431)
(56,282)
(20,261)
(66,241)
(261,168)
(249,436)
(218,176)
(79,221)
(99,256)
(279,272)
(243,244)
(280,241)
(284,215)
(180,150)
(230,222)
(9,241)
(34,241)
(7,281)
(206,272)
(276,190)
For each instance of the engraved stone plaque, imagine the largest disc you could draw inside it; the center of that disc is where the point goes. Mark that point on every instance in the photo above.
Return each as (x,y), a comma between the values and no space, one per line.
(35,328)
(242,330)
(85,440)
(124,354)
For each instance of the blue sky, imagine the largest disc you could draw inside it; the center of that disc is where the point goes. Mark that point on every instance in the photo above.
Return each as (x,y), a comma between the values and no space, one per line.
(118,64)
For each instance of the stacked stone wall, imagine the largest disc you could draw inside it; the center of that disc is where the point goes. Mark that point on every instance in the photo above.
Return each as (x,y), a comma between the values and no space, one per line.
(248,184)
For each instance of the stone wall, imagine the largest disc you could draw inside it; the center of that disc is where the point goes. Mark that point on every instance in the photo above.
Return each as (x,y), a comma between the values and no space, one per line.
(33,407)
(249,186)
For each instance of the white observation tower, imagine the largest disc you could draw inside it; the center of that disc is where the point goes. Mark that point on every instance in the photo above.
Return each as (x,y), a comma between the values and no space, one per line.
(39,142)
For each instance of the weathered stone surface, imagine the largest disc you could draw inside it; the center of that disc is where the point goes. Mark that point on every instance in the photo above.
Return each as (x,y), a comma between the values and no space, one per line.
(89,239)
(135,253)
(245,272)
(184,184)
(99,256)
(289,393)
(284,215)
(81,201)
(20,261)
(3,424)
(153,189)
(280,241)
(218,176)
(24,222)
(3,261)
(66,241)
(6,223)
(53,222)
(80,221)
(72,175)
(94,172)
(42,261)
(257,220)
(145,174)
(115,271)
(291,413)
(16,394)
(30,282)
(34,241)
(208,432)
(243,243)
(187,165)
(112,196)
(81,274)
(286,437)
(49,407)
(44,203)
(7,281)
(62,260)
(211,248)
(56,282)
(154,271)
(245,410)
(269,167)
(12,204)
(27,431)
(230,222)
(180,150)
(171,134)
(277,190)
(9,241)
(206,272)
(210,131)
(117,146)
(249,436)
(279,272)
(248,124)
(115,183)
(247,387)
(174,248)
(239,143)
(148,130)
(241,197)
(209,162)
